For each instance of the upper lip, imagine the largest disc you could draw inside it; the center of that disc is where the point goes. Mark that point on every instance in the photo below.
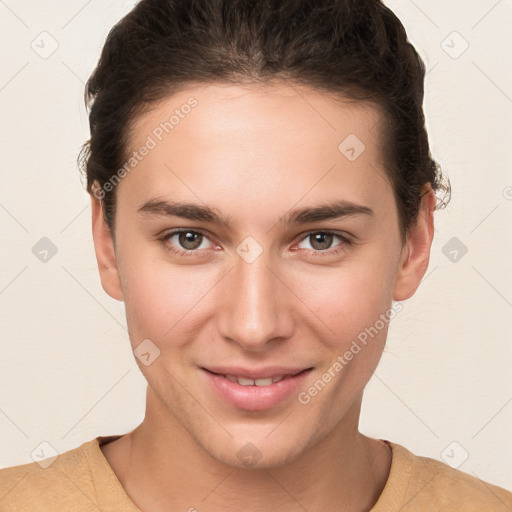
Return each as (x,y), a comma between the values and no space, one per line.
(256,373)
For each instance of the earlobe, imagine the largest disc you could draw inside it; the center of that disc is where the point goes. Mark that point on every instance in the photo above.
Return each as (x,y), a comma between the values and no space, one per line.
(416,251)
(105,252)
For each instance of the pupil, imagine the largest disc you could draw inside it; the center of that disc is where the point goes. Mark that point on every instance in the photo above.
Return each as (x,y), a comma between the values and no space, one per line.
(188,237)
(323,244)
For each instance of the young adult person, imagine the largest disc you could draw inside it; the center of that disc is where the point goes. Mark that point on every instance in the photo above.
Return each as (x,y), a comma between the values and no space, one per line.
(262,193)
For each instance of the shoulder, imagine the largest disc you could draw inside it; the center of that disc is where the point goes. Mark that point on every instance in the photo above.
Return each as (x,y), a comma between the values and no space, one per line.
(66,483)
(428,484)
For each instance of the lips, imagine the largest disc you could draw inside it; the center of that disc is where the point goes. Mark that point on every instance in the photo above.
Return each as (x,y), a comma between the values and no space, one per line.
(255,377)
(254,389)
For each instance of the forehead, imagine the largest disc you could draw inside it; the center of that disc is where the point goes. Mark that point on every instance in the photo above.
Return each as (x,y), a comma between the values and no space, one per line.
(242,145)
(278,107)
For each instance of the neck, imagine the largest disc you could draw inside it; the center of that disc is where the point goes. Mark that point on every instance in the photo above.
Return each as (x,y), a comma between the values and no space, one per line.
(162,467)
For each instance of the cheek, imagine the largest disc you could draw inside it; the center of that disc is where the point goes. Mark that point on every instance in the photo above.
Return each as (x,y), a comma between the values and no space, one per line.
(162,299)
(357,308)
(350,298)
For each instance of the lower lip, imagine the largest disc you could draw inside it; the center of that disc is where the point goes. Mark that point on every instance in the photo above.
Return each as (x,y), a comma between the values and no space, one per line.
(254,398)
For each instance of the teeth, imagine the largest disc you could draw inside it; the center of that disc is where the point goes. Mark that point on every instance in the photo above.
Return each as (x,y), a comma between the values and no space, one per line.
(243,381)
(263,382)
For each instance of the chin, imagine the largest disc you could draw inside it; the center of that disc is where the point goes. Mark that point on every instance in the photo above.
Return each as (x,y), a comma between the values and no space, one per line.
(256,452)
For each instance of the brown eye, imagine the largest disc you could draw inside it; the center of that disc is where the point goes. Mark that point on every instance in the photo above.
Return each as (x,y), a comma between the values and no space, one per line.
(186,242)
(189,240)
(321,241)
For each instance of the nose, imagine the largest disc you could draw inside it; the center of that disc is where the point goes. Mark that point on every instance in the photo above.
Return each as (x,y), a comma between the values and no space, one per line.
(257,305)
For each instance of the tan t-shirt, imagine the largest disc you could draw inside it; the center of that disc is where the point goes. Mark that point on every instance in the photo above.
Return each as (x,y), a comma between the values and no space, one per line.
(82,480)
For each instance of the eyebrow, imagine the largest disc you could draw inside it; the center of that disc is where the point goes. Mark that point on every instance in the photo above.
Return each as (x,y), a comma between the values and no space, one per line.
(326,211)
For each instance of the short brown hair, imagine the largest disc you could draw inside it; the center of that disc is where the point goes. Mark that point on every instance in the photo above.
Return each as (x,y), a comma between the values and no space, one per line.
(355,49)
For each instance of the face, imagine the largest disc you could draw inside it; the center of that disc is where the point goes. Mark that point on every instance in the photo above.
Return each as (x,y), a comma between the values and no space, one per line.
(257,251)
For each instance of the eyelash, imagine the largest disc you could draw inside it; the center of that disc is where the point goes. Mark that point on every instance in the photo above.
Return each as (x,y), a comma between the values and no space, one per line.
(315,253)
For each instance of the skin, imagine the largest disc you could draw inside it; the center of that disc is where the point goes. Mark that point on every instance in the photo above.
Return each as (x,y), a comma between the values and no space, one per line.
(254,154)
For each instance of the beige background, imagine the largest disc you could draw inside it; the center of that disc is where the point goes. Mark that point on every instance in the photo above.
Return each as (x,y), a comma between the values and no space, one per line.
(443,388)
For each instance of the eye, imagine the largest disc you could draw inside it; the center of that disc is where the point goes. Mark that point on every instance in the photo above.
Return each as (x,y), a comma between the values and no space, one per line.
(187,242)
(321,242)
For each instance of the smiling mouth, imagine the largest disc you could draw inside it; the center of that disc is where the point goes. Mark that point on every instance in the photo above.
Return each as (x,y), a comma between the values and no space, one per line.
(255,389)
(262,382)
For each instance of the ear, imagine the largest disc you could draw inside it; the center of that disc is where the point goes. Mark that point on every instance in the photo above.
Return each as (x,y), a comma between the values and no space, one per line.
(104,248)
(416,250)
